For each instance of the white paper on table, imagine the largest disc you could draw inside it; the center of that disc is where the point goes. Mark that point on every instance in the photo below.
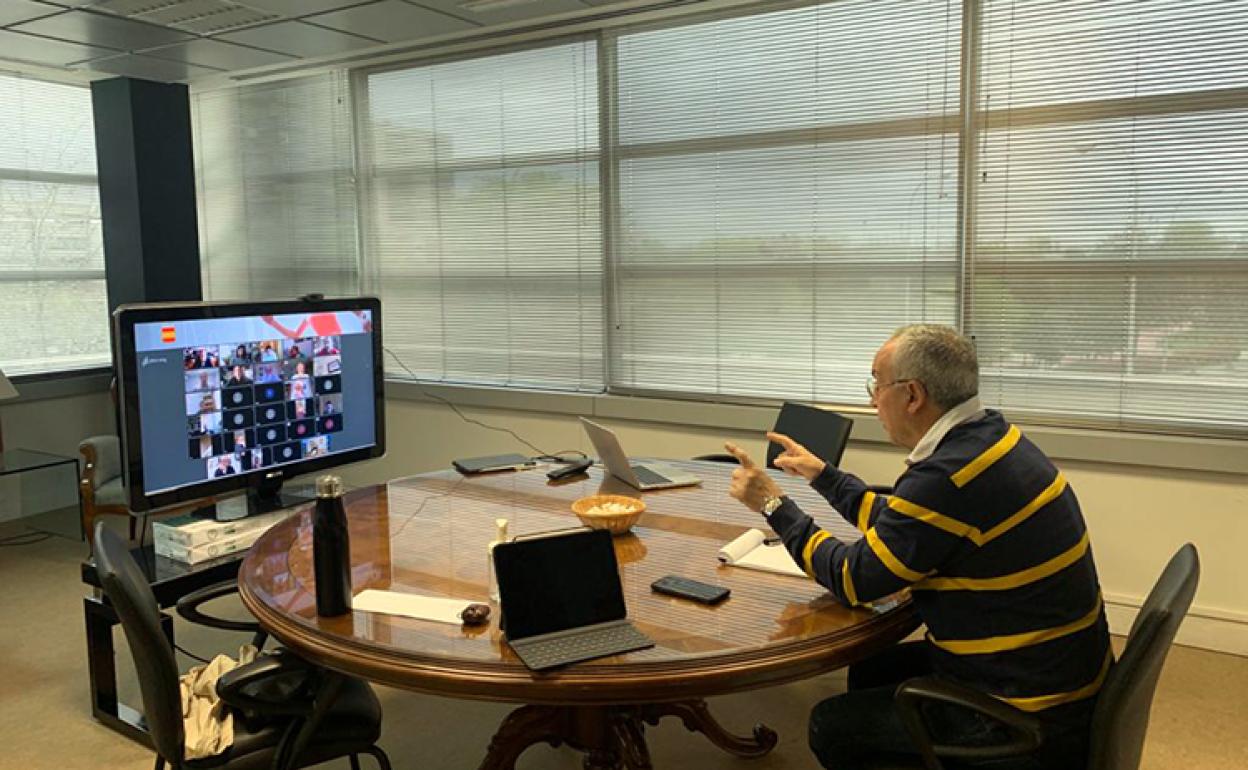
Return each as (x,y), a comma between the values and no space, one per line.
(439,609)
(751,552)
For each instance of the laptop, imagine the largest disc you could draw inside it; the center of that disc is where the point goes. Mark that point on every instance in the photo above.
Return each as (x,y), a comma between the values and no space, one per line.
(639,475)
(562,599)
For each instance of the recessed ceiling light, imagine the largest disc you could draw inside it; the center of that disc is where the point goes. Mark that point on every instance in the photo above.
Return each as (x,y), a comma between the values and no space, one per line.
(201,16)
(481,6)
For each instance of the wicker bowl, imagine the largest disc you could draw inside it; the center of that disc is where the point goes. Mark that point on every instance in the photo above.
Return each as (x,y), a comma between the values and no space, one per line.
(590,511)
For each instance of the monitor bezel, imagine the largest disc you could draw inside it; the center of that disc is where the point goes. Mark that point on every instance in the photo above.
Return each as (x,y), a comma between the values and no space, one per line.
(125,358)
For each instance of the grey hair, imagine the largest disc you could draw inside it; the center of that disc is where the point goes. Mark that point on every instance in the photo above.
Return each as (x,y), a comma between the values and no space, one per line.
(939,357)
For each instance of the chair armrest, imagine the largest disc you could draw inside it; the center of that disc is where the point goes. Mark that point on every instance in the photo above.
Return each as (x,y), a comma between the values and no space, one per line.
(717,458)
(188,608)
(296,701)
(880,489)
(911,695)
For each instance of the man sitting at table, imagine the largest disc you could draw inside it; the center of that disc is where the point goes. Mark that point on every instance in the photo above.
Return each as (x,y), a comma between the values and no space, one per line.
(989,537)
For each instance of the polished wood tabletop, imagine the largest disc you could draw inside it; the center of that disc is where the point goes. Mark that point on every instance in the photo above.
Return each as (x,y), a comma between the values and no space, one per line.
(428,534)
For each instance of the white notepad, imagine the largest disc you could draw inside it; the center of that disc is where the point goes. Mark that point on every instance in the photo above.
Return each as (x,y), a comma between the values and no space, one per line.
(751,552)
(439,609)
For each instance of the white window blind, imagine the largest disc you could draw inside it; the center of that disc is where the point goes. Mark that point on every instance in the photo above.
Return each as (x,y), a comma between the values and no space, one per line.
(481,216)
(1111,252)
(53,300)
(787,196)
(277,195)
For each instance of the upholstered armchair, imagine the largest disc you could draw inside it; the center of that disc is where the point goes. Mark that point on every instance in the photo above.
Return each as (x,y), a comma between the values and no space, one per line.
(100,483)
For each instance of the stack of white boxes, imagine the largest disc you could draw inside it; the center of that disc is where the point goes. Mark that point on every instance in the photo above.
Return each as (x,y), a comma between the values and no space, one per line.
(192,539)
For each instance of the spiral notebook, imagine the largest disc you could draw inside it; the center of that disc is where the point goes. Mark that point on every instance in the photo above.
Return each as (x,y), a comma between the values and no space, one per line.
(752,552)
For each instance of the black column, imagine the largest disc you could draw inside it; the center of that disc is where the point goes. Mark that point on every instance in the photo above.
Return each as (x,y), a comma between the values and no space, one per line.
(147,190)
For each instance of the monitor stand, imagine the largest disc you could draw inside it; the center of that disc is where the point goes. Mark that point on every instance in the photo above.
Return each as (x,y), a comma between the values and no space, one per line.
(266,497)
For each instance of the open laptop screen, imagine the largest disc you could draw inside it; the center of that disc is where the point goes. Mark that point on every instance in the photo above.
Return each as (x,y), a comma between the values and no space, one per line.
(558,582)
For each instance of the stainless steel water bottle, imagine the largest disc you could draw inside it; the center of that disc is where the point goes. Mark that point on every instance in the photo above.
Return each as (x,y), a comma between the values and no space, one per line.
(331,549)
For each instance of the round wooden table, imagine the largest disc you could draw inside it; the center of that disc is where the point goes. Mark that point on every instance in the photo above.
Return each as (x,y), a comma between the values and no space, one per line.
(428,534)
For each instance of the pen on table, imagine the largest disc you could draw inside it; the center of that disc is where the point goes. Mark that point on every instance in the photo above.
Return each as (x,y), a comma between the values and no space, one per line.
(772,541)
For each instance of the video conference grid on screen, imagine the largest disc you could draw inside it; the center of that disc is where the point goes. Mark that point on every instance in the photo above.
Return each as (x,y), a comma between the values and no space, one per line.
(252,404)
(264,396)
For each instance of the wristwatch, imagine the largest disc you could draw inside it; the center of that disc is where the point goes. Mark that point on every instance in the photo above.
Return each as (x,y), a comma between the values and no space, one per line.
(771,503)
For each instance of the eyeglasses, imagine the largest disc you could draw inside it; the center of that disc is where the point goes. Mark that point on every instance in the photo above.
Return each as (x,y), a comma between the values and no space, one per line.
(874,387)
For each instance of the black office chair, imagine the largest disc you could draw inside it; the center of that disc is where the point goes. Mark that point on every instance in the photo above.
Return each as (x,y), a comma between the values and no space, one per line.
(288,713)
(824,433)
(1120,719)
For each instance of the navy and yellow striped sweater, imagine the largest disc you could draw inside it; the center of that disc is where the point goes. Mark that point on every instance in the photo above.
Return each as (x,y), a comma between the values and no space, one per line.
(990,539)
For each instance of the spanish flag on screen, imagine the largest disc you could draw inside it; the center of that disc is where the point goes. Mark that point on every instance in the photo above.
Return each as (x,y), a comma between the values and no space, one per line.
(167,334)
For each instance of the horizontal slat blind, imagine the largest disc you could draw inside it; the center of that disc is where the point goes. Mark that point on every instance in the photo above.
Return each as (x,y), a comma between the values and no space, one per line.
(277,193)
(787,196)
(1111,250)
(53,301)
(482,227)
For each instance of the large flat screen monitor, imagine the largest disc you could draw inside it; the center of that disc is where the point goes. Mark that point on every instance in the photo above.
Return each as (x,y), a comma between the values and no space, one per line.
(216,397)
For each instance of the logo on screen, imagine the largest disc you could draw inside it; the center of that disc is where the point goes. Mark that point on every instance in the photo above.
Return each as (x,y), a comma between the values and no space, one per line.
(168,334)
(153,360)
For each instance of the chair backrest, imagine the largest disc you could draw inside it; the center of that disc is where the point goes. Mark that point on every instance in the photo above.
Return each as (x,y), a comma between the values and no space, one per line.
(822,432)
(1123,706)
(107,450)
(131,595)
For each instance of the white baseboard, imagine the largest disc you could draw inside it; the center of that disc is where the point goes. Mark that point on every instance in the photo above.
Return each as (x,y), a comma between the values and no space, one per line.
(1204,627)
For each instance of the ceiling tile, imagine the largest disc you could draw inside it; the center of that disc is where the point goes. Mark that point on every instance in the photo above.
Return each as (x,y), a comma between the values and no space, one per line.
(292,8)
(502,12)
(298,39)
(13,11)
(191,15)
(101,29)
(148,68)
(217,53)
(391,21)
(40,50)
(223,22)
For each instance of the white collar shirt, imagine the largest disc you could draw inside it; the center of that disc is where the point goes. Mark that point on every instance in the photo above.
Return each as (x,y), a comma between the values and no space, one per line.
(968,411)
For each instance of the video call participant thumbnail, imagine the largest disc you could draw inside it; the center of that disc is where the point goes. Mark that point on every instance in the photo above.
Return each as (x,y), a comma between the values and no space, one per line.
(202,379)
(242,354)
(225,465)
(249,459)
(204,447)
(283,453)
(238,419)
(268,414)
(271,434)
(301,429)
(326,346)
(330,405)
(316,447)
(235,398)
(238,375)
(326,386)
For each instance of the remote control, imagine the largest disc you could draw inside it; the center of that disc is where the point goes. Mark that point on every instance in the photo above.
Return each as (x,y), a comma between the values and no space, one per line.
(571,469)
(690,589)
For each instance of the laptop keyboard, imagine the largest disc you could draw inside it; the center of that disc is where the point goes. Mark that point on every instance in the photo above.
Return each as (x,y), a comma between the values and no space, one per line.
(647,476)
(592,642)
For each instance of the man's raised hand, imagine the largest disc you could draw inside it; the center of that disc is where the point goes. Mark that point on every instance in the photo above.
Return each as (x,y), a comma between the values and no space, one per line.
(750,484)
(796,459)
